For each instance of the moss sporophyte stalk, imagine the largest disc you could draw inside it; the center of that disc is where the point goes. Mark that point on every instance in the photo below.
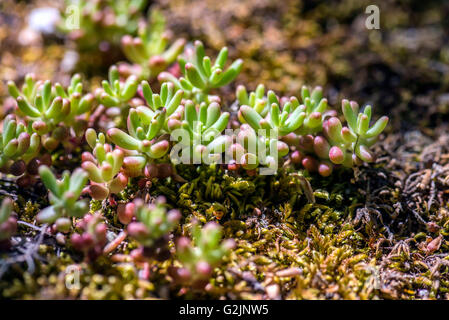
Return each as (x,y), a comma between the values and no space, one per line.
(154,171)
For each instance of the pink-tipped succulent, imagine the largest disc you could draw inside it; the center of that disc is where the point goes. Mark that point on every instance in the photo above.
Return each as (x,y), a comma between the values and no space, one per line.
(117,93)
(92,239)
(103,166)
(80,105)
(152,228)
(200,135)
(200,76)
(63,195)
(200,257)
(43,110)
(148,127)
(17,146)
(50,111)
(256,100)
(148,51)
(311,130)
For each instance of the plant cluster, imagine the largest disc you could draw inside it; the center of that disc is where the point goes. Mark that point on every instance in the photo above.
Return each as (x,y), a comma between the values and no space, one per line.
(154,131)
(148,52)
(92,238)
(152,228)
(17,146)
(200,256)
(103,167)
(311,130)
(200,75)
(63,196)
(46,117)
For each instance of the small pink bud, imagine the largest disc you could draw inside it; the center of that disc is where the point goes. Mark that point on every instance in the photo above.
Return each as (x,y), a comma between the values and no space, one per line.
(87,239)
(321,147)
(133,166)
(77,241)
(296,157)
(183,274)
(306,143)
(137,230)
(291,139)
(203,268)
(98,192)
(310,163)
(100,230)
(127,40)
(137,42)
(336,155)
(282,148)
(173,124)
(156,61)
(125,212)
(87,156)
(39,126)
(325,168)
(173,216)
(183,244)
(87,218)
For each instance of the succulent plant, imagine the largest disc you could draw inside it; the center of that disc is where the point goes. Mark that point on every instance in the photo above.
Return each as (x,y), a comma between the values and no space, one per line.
(63,196)
(148,51)
(116,93)
(269,120)
(203,255)
(338,144)
(256,100)
(253,149)
(315,108)
(29,89)
(126,212)
(100,20)
(93,237)
(103,167)
(8,223)
(17,146)
(352,142)
(282,121)
(45,111)
(312,130)
(146,150)
(168,99)
(200,133)
(200,76)
(284,117)
(148,128)
(80,104)
(153,227)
